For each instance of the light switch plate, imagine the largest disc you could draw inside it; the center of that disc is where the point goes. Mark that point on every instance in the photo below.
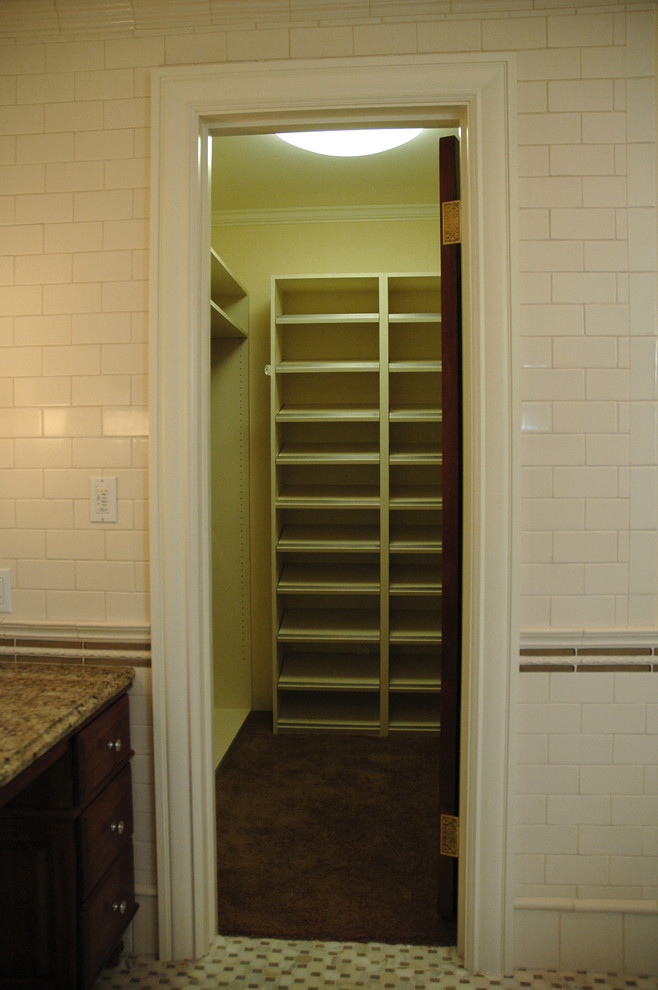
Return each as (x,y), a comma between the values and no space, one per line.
(103,500)
(5,590)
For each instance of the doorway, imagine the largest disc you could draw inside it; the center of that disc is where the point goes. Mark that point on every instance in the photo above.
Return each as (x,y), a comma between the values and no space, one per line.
(284,211)
(188,104)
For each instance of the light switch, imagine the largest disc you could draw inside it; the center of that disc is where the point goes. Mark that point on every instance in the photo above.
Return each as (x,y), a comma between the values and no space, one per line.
(103,498)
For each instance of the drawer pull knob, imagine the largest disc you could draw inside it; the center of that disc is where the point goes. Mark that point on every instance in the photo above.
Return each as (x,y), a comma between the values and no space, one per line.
(120,906)
(118,827)
(114,744)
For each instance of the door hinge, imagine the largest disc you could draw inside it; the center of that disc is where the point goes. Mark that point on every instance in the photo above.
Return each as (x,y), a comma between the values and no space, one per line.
(449,845)
(451,212)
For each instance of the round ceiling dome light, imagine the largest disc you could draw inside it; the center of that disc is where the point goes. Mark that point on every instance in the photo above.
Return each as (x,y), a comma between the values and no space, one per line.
(351,144)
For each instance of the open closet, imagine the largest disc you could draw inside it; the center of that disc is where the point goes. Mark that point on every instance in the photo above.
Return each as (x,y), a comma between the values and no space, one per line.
(330,510)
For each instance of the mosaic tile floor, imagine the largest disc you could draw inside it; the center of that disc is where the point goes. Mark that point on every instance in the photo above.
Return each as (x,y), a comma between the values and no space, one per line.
(248,964)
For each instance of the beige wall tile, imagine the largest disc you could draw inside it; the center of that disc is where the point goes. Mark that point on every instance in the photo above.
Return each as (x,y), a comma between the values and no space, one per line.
(44,514)
(450,36)
(70,176)
(87,606)
(44,148)
(384,39)
(71,422)
(39,392)
(73,56)
(312,42)
(513,33)
(43,452)
(261,44)
(81,360)
(94,390)
(89,452)
(584,31)
(36,574)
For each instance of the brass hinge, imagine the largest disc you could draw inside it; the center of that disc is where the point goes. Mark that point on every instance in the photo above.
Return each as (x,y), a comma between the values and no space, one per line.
(452,221)
(449,845)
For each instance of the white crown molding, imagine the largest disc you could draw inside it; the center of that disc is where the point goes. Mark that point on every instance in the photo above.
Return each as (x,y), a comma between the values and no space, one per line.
(323,214)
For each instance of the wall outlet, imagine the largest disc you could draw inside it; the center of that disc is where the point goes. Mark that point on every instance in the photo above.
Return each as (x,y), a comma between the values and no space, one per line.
(5,590)
(103,498)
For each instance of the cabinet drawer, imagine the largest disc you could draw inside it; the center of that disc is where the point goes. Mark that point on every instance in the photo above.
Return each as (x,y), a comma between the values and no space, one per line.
(104,830)
(106,914)
(102,746)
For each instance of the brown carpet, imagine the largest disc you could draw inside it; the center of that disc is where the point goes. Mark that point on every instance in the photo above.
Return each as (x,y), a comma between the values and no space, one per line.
(330,837)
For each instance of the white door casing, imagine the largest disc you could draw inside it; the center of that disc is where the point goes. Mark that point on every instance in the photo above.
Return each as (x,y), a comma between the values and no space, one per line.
(188,104)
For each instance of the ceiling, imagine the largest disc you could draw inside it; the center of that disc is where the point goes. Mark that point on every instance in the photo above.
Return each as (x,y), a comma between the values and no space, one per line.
(261,172)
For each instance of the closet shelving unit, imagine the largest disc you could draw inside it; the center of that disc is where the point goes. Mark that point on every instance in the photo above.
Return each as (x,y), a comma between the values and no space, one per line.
(229,403)
(356,508)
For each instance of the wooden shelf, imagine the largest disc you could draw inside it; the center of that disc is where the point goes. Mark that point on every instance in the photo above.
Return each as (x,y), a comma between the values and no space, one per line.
(343,453)
(417,453)
(342,414)
(348,711)
(413,580)
(329,672)
(329,626)
(346,539)
(413,367)
(415,672)
(325,367)
(414,318)
(415,414)
(308,319)
(355,579)
(415,539)
(414,712)
(415,626)
(327,496)
(229,301)
(413,496)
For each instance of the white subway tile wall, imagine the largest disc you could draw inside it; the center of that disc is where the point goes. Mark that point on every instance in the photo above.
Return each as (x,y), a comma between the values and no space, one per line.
(74,237)
(587,817)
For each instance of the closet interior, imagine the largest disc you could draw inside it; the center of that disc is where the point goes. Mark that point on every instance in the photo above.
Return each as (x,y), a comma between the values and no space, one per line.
(327,437)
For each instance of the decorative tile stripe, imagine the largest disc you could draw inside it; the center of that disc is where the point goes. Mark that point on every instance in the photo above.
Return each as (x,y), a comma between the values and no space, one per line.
(19,649)
(638,659)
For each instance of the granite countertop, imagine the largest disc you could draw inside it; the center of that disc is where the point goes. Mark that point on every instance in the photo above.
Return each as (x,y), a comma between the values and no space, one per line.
(42,703)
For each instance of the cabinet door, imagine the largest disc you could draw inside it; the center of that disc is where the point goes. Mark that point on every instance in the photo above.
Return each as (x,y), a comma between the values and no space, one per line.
(102,746)
(38,931)
(452,518)
(105,829)
(105,915)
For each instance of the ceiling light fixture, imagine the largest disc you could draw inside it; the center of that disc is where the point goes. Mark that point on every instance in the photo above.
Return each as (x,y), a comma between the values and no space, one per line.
(351,144)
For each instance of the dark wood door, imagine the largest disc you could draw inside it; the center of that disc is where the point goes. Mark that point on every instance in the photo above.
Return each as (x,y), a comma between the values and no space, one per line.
(452,519)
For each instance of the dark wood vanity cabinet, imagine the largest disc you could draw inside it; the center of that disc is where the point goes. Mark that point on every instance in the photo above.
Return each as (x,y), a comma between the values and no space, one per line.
(66,861)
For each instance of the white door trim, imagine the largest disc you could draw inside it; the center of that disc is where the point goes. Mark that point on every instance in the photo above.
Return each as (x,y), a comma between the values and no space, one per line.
(477,92)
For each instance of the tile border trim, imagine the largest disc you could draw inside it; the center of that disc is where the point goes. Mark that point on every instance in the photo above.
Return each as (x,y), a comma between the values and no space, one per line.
(600,905)
(609,650)
(71,644)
